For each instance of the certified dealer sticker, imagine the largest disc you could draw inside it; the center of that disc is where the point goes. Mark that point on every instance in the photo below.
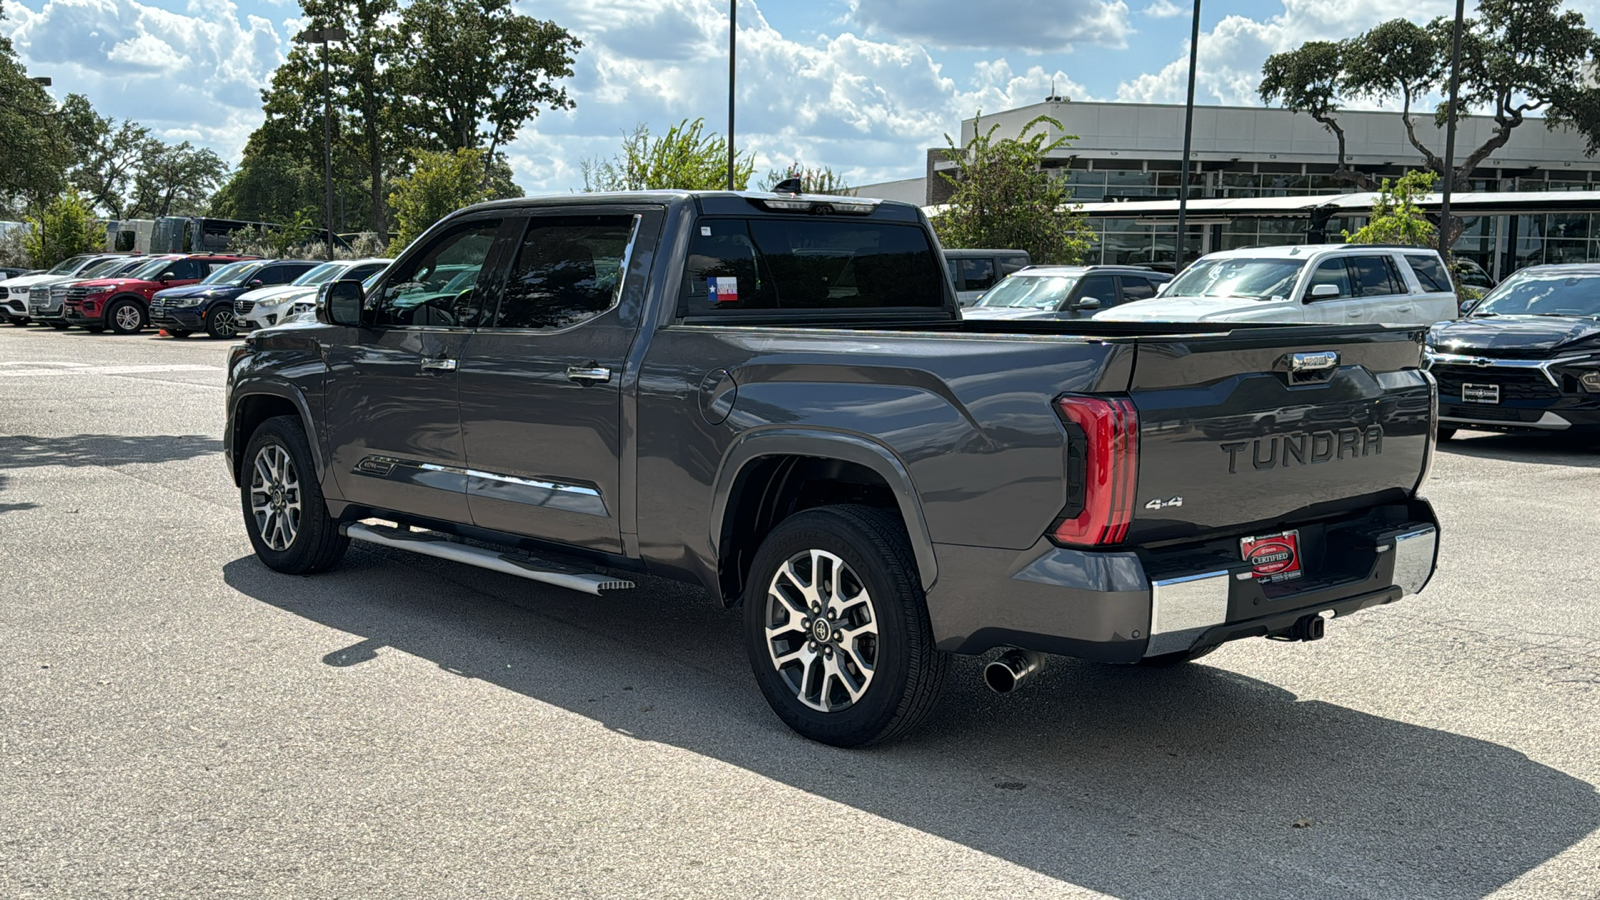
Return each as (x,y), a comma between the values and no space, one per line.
(1273,558)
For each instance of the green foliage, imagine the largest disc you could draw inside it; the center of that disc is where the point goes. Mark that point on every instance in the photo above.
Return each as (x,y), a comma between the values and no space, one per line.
(1395,217)
(813,179)
(474,71)
(1518,57)
(1004,199)
(14,247)
(34,152)
(685,158)
(269,188)
(439,184)
(66,226)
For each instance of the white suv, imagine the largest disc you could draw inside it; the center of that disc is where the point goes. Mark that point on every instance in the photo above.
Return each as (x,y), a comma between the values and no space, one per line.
(267,306)
(1318,283)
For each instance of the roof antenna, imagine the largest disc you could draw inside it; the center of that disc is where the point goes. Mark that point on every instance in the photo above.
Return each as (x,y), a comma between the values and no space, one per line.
(788,186)
(1054,97)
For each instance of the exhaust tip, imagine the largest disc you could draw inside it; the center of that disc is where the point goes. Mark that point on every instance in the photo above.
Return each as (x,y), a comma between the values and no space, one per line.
(1007,673)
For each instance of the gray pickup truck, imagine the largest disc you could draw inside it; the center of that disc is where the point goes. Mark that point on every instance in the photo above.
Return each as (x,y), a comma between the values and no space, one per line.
(775,397)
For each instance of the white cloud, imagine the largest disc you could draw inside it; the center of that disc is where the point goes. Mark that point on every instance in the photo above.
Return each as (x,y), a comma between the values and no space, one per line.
(1035,25)
(1165,9)
(1232,52)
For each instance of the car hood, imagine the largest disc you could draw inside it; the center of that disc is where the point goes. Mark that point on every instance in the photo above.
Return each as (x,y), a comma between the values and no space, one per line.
(275,294)
(1532,337)
(1196,309)
(111,284)
(1001,312)
(192,290)
(29,281)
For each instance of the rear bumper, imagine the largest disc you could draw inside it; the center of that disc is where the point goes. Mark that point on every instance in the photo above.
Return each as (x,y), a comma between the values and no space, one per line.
(1123,606)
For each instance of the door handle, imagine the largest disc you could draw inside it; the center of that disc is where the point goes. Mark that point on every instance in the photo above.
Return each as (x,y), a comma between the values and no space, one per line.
(588,373)
(439,365)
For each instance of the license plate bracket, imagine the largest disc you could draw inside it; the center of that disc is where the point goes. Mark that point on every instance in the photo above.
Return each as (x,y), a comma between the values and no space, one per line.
(1480,393)
(1273,557)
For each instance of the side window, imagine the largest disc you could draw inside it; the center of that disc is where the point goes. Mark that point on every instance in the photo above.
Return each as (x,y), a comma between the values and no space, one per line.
(276,274)
(1136,288)
(1100,287)
(977,274)
(1334,272)
(1430,273)
(1009,264)
(183,269)
(1372,276)
(437,286)
(362,273)
(568,270)
(955,273)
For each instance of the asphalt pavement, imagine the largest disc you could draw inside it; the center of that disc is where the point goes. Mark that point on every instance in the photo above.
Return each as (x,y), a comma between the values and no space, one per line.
(178,721)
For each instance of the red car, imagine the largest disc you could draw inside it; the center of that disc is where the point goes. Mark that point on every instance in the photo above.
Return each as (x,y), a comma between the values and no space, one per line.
(123,304)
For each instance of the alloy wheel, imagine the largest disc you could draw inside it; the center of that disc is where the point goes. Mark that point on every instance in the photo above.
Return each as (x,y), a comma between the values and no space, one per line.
(224,323)
(821,630)
(128,317)
(275,497)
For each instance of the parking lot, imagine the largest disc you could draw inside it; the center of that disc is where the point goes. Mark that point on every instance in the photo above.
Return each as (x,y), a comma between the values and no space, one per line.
(177,720)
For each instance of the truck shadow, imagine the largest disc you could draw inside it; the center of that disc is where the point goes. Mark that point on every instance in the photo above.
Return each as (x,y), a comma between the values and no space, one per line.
(1193,782)
(25,451)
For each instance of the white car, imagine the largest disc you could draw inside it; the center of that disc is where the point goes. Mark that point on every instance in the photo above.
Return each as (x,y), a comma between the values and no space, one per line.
(14,291)
(1313,284)
(270,305)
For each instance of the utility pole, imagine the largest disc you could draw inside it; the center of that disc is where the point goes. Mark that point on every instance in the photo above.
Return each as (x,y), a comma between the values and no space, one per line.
(324,36)
(1188,133)
(1450,133)
(733,37)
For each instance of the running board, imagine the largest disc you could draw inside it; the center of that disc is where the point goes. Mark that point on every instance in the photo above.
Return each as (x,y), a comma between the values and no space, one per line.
(432,543)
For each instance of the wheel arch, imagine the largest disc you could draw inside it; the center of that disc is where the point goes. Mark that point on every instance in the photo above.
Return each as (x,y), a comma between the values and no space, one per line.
(769,474)
(263,402)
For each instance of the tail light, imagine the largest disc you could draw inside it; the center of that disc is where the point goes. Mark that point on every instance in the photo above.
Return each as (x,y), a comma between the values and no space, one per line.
(1103,461)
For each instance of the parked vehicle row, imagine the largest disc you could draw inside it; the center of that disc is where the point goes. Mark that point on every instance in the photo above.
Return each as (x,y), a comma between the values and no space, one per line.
(178,293)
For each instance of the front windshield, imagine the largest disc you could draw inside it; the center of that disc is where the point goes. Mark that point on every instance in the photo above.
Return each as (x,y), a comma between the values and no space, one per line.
(102,269)
(1237,277)
(233,273)
(66,266)
(1543,294)
(151,269)
(321,274)
(1029,292)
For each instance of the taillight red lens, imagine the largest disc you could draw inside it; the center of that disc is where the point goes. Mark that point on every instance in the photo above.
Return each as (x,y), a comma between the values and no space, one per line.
(1110,471)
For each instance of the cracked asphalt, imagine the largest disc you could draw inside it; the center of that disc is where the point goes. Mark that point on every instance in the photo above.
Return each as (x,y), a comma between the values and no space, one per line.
(178,721)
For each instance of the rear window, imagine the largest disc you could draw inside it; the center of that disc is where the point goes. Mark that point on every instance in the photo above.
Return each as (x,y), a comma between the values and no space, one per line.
(780,264)
(1430,273)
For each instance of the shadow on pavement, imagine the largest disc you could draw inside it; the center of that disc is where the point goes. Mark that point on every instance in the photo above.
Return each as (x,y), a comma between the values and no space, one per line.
(24,451)
(1192,782)
(1540,449)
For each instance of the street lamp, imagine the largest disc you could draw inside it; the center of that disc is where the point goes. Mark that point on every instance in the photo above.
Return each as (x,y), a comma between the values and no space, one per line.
(324,36)
(733,35)
(1450,133)
(1188,132)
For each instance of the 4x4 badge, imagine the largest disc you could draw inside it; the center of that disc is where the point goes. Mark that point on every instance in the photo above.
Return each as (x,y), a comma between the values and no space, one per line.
(1158,503)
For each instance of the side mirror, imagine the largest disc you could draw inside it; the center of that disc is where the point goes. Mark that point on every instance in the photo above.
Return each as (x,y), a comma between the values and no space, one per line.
(1323,291)
(1087,303)
(339,303)
(164,277)
(256,282)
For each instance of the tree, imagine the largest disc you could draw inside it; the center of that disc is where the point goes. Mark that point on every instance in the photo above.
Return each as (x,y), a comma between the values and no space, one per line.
(269,188)
(64,227)
(474,72)
(439,184)
(175,180)
(685,158)
(107,154)
(1518,57)
(1003,197)
(34,154)
(1395,216)
(813,180)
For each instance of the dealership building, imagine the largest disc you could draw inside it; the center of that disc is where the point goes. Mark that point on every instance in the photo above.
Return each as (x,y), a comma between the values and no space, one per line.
(1262,176)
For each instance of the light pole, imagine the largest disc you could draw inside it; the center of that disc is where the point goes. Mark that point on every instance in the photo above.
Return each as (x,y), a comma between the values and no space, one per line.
(733,36)
(1188,132)
(1450,133)
(323,36)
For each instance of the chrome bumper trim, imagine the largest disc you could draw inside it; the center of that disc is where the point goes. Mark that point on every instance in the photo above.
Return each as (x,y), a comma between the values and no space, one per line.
(1182,609)
(1548,422)
(1414,554)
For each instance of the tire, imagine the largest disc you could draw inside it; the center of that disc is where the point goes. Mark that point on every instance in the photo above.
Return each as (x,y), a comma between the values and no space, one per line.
(94,329)
(19,321)
(179,332)
(125,317)
(222,323)
(851,707)
(60,326)
(1176,659)
(278,480)
(1446,434)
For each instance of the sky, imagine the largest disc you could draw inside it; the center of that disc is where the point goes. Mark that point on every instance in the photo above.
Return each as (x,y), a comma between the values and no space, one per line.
(861,86)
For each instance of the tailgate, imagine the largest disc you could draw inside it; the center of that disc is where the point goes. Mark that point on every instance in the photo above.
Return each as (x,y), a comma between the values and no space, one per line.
(1256,430)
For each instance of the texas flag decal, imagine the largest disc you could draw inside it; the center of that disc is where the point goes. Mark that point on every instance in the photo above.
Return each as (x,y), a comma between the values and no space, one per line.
(722,290)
